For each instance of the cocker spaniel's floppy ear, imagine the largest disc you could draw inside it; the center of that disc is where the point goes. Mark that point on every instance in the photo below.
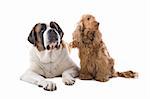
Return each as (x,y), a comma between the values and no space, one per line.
(81,26)
(57,28)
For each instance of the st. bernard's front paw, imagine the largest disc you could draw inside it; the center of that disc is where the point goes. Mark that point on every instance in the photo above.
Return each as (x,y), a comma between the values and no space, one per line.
(47,85)
(68,80)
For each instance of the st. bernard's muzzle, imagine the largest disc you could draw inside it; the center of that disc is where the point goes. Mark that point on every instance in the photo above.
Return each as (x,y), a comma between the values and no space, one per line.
(51,38)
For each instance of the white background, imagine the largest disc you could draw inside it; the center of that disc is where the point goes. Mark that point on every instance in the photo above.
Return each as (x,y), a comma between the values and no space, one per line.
(125,25)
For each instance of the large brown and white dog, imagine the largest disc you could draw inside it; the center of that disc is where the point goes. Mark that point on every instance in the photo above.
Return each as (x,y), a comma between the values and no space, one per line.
(49,57)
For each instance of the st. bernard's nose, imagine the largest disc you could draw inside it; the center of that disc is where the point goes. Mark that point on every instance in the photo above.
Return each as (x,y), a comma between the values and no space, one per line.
(52,36)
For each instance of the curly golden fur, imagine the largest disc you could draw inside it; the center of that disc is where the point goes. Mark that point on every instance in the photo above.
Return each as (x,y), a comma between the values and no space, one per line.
(95,61)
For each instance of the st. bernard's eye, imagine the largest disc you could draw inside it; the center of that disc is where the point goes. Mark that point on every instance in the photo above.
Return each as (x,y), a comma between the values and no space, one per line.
(88,18)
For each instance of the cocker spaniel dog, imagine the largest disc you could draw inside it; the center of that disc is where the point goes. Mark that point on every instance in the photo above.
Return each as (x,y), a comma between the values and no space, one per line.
(95,61)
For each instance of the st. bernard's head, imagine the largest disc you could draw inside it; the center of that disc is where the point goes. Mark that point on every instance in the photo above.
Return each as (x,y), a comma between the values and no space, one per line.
(46,37)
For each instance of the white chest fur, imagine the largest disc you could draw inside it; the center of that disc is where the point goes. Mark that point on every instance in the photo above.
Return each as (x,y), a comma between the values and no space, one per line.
(51,63)
(48,56)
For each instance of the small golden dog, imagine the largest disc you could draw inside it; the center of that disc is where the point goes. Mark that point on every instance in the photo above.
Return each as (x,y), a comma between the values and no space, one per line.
(95,61)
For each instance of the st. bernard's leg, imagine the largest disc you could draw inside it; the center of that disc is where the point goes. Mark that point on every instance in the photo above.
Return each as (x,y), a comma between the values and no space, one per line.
(68,76)
(34,78)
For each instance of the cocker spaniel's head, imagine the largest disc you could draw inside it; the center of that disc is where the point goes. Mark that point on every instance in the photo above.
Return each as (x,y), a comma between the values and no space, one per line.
(88,22)
(87,30)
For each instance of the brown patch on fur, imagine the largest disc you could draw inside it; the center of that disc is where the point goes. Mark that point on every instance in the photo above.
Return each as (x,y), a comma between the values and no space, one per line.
(38,40)
(95,61)
(65,45)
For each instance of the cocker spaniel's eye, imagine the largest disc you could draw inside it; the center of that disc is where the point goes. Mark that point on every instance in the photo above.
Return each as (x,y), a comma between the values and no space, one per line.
(88,18)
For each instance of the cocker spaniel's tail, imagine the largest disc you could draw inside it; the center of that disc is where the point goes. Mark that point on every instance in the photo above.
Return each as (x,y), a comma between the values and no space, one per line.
(126,74)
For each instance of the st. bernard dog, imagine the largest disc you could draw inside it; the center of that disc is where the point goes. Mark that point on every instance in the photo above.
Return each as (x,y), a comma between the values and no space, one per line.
(49,57)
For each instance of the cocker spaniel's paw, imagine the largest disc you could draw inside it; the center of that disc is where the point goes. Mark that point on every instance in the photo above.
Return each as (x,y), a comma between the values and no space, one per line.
(74,44)
(102,79)
(85,76)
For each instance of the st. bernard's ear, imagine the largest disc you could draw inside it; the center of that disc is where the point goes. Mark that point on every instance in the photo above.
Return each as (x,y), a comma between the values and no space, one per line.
(31,38)
(57,27)
(32,35)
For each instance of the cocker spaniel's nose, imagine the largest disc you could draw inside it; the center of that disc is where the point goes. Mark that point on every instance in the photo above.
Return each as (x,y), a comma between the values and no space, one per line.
(98,23)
